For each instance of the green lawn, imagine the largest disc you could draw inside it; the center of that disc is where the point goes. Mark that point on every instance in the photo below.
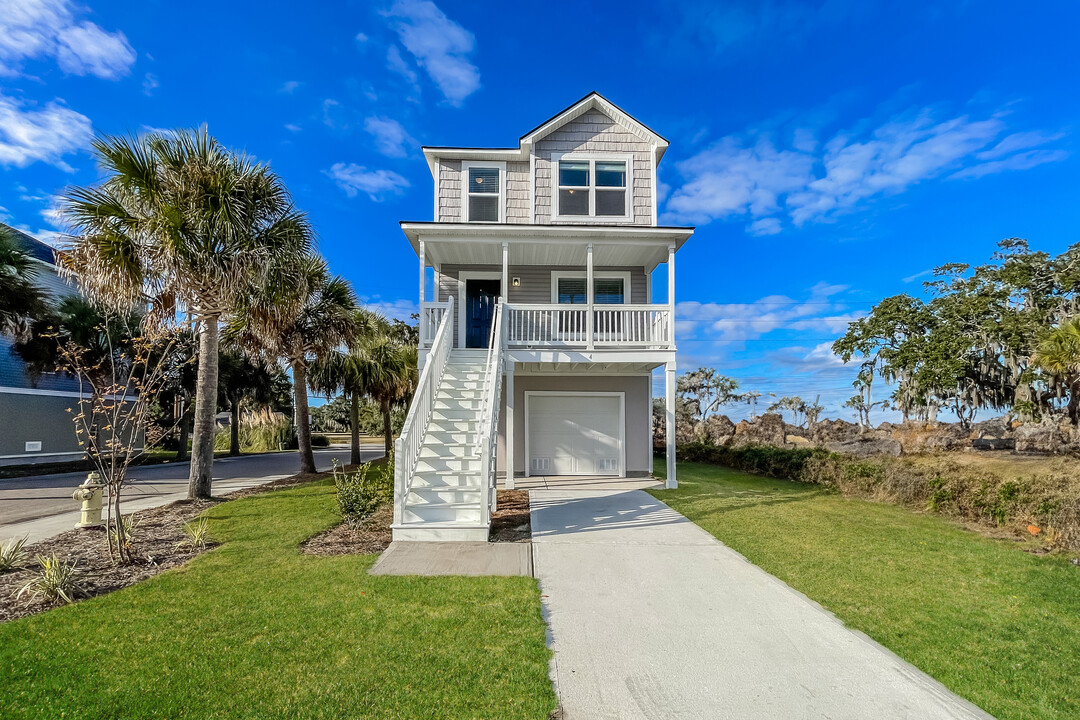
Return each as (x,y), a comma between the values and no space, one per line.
(254,629)
(996,625)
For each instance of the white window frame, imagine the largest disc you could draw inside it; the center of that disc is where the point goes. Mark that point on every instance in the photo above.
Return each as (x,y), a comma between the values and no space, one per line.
(501,167)
(556,275)
(568,393)
(592,158)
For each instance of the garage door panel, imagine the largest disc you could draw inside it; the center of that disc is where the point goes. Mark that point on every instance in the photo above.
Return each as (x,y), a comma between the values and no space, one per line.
(575,435)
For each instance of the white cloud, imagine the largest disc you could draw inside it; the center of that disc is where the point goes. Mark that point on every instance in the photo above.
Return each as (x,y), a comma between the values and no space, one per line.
(376,184)
(292,128)
(393,309)
(29,135)
(150,83)
(361,38)
(439,45)
(755,176)
(289,87)
(397,64)
(391,139)
(31,29)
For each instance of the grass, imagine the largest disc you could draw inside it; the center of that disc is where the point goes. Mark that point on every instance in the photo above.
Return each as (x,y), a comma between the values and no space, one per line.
(996,625)
(254,629)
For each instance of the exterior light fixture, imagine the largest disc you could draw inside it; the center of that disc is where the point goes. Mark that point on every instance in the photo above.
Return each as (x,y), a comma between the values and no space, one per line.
(516,282)
(479,180)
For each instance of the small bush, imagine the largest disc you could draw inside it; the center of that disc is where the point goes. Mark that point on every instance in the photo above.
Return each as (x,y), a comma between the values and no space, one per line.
(56,581)
(320,441)
(196,534)
(12,554)
(361,492)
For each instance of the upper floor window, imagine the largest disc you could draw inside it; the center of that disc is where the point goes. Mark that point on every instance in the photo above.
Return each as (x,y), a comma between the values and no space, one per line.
(593,187)
(483,191)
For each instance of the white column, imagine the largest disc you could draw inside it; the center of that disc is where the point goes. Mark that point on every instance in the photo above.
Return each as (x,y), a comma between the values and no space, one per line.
(669,392)
(426,334)
(504,288)
(589,315)
(671,294)
(510,426)
(423,273)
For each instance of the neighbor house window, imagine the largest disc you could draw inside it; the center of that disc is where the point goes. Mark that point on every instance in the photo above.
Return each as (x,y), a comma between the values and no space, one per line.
(483,193)
(593,188)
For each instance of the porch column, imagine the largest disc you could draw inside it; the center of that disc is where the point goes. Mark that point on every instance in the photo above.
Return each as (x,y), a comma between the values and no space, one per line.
(504,288)
(589,315)
(436,281)
(669,388)
(671,295)
(510,426)
(426,334)
(423,264)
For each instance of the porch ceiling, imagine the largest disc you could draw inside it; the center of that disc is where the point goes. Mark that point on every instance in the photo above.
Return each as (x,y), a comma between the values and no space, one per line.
(578,368)
(548,245)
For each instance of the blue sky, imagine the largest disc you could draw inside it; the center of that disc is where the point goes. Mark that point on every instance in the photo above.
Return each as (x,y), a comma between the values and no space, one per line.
(830,153)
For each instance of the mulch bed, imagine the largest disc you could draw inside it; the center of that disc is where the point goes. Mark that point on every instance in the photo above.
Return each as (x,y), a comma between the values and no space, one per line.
(372,536)
(511,523)
(156,535)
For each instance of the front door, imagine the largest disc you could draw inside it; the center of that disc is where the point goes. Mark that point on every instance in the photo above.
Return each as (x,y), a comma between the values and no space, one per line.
(480,299)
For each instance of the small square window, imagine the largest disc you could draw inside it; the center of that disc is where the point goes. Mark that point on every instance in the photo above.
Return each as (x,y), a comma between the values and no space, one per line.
(483,180)
(483,191)
(574,173)
(573,201)
(484,208)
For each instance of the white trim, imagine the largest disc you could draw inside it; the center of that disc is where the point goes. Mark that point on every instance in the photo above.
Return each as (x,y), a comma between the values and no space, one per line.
(465,166)
(41,454)
(622,423)
(557,275)
(463,276)
(532,188)
(652,158)
(592,158)
(438,177)
(56,393)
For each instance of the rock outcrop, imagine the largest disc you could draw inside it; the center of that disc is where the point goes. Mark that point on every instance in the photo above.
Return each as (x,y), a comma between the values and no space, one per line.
(765,430)
(866,446)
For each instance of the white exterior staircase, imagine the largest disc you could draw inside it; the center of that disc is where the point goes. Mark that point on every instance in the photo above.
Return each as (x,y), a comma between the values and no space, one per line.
(445,497)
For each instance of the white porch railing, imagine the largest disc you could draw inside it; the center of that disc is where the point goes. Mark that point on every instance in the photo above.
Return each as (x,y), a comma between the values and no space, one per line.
(431,316)
(589,326)
(488,418)
(411,439)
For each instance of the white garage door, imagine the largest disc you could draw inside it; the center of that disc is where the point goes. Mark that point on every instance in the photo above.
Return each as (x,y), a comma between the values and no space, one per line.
(575,434)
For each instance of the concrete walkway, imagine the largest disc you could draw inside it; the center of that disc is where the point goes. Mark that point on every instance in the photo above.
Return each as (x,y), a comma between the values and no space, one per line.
(454,558)
(652,617)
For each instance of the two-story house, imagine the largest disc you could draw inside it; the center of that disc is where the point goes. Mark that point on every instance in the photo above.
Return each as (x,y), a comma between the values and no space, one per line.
(540,335)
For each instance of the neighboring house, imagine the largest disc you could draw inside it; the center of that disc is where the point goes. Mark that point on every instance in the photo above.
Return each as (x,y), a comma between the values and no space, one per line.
(35,424)
(540,337)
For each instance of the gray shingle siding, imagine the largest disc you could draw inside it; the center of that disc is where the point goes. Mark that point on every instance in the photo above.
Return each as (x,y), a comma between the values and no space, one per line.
(449,187)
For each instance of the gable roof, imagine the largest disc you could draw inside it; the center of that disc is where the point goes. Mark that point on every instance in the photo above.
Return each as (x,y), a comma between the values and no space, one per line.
(592,101)
(30,245)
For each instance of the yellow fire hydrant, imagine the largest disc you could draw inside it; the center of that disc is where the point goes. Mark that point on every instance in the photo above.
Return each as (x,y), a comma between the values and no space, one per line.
(90,493)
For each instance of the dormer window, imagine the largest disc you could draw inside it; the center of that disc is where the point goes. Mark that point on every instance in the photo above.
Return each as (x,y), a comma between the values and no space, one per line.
(593,186)
(484,191)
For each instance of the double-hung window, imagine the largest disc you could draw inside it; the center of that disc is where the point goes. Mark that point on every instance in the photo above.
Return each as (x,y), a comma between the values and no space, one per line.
(593,187)
(483,191)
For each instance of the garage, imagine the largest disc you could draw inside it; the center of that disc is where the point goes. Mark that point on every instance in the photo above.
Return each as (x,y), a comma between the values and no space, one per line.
(574,433)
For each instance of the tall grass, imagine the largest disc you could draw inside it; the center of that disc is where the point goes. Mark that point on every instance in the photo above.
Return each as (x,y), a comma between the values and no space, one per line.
(260,437)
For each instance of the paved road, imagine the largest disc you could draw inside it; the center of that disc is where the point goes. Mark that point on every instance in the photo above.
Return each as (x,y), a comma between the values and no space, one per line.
(40,506)
(652,617)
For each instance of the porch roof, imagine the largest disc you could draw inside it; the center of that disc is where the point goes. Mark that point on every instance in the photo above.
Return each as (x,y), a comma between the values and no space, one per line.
(548,245)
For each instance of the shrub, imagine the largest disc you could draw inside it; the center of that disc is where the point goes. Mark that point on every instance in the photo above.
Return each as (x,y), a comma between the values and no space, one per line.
(263,437)
(12,554)
(1049,501)
(320,441)
(360,492)
(57,581)
(196,534)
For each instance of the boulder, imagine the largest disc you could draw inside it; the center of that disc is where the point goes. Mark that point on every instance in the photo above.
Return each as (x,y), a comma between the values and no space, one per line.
(827,431)
(766,430)
(866,447)
(718,429)
(993,443)
(931,437)
(1044,437)
(798,441)
(998,427)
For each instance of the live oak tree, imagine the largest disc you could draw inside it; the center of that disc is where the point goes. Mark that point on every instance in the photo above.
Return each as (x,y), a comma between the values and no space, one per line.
(182,225)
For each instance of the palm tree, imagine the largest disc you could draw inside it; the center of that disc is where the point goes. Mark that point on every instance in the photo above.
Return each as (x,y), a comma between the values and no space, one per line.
(389,373)
(241,379)
(20,299)
(300,327)
(1058,355)
(181,224)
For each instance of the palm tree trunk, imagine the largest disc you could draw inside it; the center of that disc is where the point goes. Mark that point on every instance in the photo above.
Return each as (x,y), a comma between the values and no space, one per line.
(234,427)
(354,428)
(388,431)
(303,423)
(206,390)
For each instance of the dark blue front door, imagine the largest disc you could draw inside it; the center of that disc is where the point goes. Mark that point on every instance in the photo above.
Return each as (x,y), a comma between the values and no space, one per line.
(480,299)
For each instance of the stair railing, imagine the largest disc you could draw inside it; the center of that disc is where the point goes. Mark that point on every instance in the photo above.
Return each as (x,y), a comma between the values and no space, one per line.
(487,428)
(411,440)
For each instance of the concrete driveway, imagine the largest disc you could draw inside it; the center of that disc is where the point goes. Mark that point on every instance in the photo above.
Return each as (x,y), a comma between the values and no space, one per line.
(652,617)
(40,506)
